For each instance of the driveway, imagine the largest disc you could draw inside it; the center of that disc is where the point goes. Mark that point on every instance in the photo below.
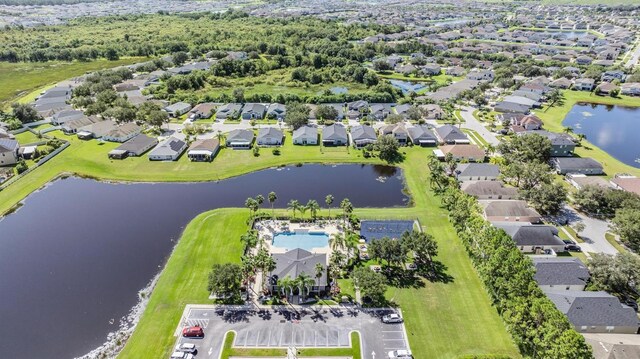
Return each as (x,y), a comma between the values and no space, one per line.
(593,234)
(283,327)
(470,122)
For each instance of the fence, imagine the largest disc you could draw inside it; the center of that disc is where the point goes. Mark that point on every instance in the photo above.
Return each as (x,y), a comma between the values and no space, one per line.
(40,162)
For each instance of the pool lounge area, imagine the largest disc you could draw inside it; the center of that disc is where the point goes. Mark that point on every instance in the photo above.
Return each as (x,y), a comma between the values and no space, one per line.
(283,236)
(309,241)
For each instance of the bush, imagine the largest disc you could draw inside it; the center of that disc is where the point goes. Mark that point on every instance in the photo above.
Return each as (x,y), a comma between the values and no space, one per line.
(21,167)
(256,151)
(276,152)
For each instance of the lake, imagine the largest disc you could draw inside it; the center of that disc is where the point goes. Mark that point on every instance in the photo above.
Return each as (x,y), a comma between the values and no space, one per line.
(75,255)
(612,128)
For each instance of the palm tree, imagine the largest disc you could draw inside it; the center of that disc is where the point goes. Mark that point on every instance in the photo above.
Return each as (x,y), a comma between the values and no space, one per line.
(272,198)
(568,130)
(581,136)
(329,201)
(490,149)
(313,207)
(293,205)
(319,269)
(284,284)
(347,208)
(304,281)
(221,137)
(302,209)
(337,241)
(260,199)
(252,205)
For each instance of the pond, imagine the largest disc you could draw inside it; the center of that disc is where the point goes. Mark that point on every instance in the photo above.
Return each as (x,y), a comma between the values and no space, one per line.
(612,128)
(74,257)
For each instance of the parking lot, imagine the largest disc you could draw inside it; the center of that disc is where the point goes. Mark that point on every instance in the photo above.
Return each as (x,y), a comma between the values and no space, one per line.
(282,327)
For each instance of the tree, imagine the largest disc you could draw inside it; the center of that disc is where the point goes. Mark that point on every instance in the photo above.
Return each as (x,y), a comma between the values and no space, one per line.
(25,113)
(381,65)
(238,95)
(579,227)
(390,250)
(259,199)
(179,58)
(265,262)
(547,198)
(297,115)
(527,148)
(313,207)
(304,281)
(157,118)
(293,205)
(423,245)
(371,284)
(272,199)
(252,205)
(338,241)
(627,226)
(394,118)
(619,274)
(225,280)
(347,208)
(555,97)
(319,271)
(527,175)
(329,201)
(414,113)
(388,147)
(250,239)
(326,113)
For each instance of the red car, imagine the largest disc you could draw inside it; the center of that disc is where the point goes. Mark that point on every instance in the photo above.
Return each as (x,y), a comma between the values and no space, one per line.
(193,332)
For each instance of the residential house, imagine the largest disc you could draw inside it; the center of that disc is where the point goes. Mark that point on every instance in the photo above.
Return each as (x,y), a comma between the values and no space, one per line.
(471,153)
(398,131)
(562,145)
(630,89)
(296,262)
(339,108)
(276,111)
(253,111)
(202,110)
(531,238)
(584,84)
(510,211)
(270,136)
(561,83)
(122,133)
(477,172)
(606,88)
(626,183)
(96,129)
(9,152)
(363,135)
(584,60)
(402,110)
(510,107)
(528,122)
(432,111)
(178,109)
(559,274)
(71,127)
(62,117)
(484,190)
(380,111)
(449,134)
(595,312)
(168,150)
(579,180)
(305,135)
(421,135)
(456,71)
(587,166)
(485,75)
(610,75)
(431,69)
(136,146)
(203,150)
(239,139)
(229,111)
(334,135)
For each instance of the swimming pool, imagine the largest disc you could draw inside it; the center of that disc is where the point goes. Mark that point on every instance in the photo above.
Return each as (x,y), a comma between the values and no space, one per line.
(306,241)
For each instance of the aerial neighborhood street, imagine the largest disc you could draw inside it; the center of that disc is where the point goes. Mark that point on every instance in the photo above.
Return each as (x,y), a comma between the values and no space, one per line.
(302,179)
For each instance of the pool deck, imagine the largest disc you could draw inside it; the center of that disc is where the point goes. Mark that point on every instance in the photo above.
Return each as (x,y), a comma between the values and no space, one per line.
(267,229)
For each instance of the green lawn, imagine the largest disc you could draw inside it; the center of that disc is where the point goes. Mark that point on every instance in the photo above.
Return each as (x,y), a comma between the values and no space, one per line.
(27,137)
(612,240)
(444,320)
(26,80)
(554,116)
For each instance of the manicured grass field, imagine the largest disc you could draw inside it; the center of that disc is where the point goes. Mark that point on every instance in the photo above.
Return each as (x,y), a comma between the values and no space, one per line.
(444,320)
(26,80)
(27,137)
(554,116)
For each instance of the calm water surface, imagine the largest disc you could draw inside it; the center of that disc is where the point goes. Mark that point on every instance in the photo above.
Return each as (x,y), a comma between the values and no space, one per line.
(74,257)
(612,128)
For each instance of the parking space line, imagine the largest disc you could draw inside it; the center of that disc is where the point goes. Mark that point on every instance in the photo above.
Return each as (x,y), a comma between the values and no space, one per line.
(327,337)
(280,341)
(258,337)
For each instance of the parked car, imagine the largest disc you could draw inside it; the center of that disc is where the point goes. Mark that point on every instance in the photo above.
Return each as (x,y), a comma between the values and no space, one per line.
(568,241)
(392,318)
(631,303)
(187,348)
(181,355)
(402,354)
(193,332)
(572,248)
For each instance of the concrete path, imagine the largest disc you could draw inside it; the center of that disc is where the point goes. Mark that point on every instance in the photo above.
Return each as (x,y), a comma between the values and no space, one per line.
(470,122)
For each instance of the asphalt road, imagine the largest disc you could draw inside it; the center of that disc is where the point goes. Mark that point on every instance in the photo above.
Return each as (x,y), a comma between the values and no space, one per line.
(282,327)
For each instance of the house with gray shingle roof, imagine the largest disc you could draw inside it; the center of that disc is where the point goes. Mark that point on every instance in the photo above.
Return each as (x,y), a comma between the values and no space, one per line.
(168,150)
(334,135)
(229,111)
(595,312)
(240,139)
(270,136)
(421,135)
(363,135)
(8,151)
(305,135)
(277,111)
(449,134)
(531,238)
(398,131)
(253,111)
(489,190)
(477,172)
(583,165)
(178,109)
(298,261)
(558,274)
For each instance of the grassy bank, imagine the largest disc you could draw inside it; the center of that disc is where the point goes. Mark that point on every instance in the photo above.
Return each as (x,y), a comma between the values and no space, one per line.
(27,79)
(439,316)
(554,116)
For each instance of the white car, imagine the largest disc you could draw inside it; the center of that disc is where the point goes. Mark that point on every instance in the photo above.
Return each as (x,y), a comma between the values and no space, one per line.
(186,347)
(392,318)
(402,354)
(181,355)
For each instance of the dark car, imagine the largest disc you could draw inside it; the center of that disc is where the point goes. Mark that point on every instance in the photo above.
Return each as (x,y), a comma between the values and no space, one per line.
(631,303)
(568,241)
(572,248)
(193,332)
